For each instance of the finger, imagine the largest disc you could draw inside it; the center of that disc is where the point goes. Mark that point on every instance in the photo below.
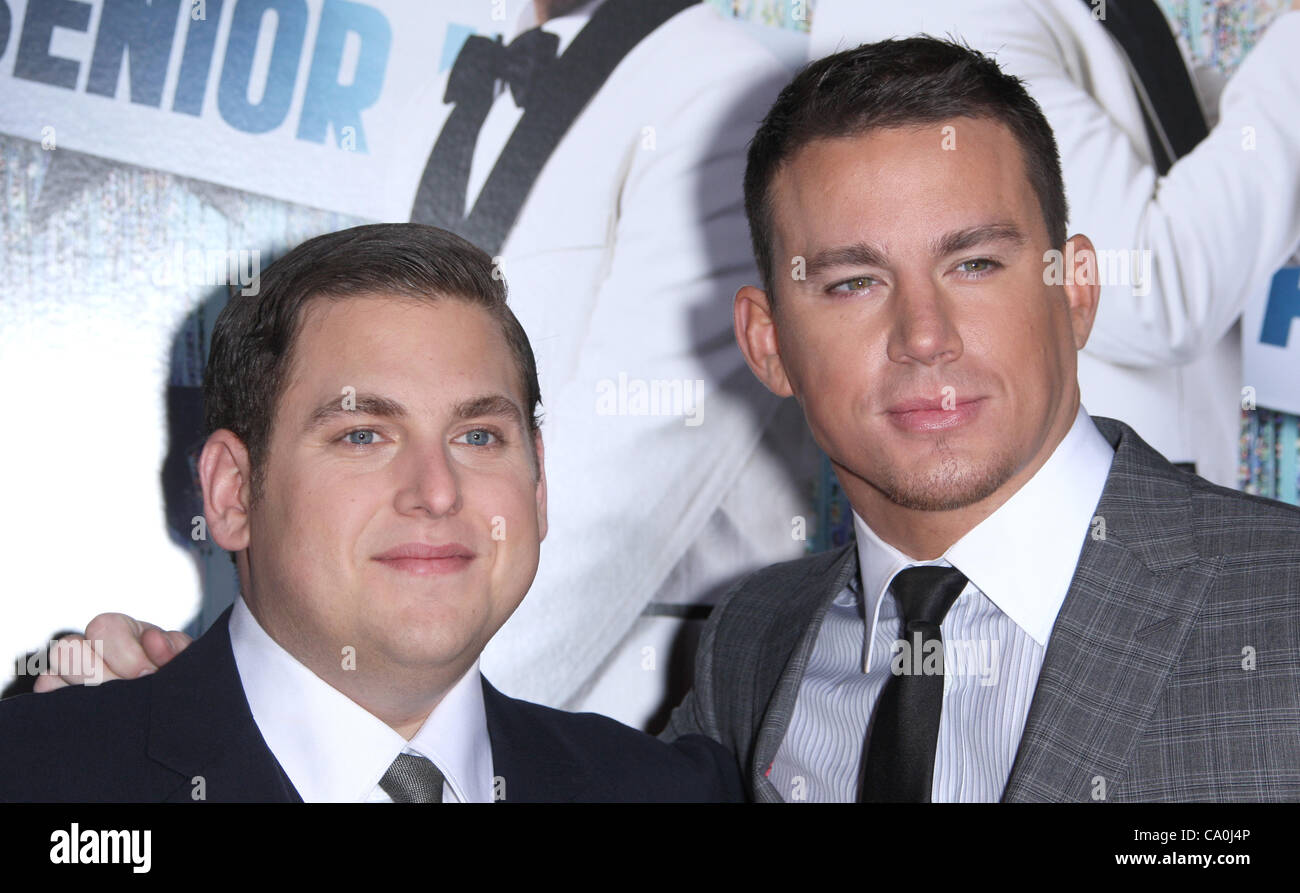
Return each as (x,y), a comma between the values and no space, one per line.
(75,661)
(48,682)
(117,638)
(59,653)
(161,646)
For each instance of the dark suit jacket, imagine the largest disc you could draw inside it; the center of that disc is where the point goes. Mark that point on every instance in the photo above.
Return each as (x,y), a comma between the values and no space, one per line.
(1172,672)
(145,740)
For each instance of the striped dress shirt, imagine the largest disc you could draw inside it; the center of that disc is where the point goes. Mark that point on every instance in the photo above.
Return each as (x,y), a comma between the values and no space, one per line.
(1019,563)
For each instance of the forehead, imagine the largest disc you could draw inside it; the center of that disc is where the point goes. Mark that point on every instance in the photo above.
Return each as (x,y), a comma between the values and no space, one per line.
(892,184)
(424,352)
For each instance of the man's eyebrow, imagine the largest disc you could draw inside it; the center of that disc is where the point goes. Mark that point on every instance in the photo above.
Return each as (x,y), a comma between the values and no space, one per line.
(962,239)
(863,254)
(490,405)
(860,254)
(362,404)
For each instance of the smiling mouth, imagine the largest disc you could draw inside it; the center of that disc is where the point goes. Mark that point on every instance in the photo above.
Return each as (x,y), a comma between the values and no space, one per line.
(420,560)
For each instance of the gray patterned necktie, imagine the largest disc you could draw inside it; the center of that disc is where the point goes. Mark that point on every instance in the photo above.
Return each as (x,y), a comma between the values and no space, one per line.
(412,779)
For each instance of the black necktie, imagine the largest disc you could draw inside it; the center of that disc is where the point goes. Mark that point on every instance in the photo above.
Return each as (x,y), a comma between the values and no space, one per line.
(471,86)
(898,762)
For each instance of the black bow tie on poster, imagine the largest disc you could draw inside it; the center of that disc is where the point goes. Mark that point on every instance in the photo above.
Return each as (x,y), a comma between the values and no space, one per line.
(552,90)
(1171,110)
(483,61)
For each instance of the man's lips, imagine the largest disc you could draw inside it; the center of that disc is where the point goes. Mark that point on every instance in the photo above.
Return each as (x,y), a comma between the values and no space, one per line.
(421,559)
(922,415)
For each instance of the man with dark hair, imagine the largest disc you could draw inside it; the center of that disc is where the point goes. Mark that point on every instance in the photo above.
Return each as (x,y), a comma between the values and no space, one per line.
(1038,606)
(374,464)
(252,344)
(1178,126)
(901,83)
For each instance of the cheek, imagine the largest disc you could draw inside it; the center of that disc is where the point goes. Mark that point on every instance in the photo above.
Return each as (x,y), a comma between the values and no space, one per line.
(512,537)
(1024,341)
(323,522)
(825,353)
(844,371)
(514,534)
(834,381)
(503,510)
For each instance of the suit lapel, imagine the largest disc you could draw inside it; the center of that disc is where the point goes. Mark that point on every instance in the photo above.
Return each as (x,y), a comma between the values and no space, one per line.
(201,727)
(802,614)
(1132,602)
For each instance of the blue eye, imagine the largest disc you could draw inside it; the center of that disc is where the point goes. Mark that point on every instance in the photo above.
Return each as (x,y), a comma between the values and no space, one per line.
(481,437)
(360,437)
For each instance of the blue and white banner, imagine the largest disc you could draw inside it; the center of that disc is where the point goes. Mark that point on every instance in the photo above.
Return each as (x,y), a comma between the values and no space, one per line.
(1271,345)
(325,103)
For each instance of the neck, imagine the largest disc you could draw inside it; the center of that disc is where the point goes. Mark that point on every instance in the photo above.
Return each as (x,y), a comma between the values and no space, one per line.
(918,534)
(545,10)
(402,696)
(398,709)
(926,535)
(402,703)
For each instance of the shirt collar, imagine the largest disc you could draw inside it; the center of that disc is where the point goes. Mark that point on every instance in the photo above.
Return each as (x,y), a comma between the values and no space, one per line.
(298,713)
(1022,556)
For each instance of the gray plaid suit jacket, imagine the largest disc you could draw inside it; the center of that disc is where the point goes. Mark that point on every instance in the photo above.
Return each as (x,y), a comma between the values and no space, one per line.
(1172,672)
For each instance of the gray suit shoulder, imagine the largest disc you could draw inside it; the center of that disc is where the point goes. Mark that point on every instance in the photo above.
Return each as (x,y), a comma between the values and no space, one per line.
(784,581)
(1224,522)
(1241,526)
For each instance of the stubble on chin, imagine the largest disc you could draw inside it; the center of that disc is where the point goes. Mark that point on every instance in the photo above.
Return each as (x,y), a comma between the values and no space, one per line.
(945,481)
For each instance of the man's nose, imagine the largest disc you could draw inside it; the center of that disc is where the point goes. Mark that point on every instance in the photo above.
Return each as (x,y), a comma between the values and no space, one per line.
(923,329)
(429,482)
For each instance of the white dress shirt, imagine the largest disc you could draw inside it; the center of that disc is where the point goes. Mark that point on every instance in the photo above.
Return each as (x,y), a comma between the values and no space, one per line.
(333,749)
(1019,562)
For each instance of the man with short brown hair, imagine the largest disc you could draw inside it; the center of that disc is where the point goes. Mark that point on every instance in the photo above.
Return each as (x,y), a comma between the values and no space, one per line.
(374,464)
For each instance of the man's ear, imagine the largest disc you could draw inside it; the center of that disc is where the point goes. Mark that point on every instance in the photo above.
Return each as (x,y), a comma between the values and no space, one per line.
(541,485)
(756,335)
(226,476)
(1082,299)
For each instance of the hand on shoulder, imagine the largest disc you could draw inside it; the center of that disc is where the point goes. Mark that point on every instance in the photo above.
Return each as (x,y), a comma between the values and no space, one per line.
(115,646)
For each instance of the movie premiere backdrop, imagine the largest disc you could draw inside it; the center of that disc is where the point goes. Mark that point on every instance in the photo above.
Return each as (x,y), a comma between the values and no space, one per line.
(156,154)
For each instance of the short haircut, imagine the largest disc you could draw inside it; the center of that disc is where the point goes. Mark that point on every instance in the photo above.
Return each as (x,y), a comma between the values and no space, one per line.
(896,83)
(253,338)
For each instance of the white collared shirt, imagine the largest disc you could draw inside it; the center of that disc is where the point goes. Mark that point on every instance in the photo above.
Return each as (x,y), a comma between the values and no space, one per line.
(1019,562)
(333,749)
